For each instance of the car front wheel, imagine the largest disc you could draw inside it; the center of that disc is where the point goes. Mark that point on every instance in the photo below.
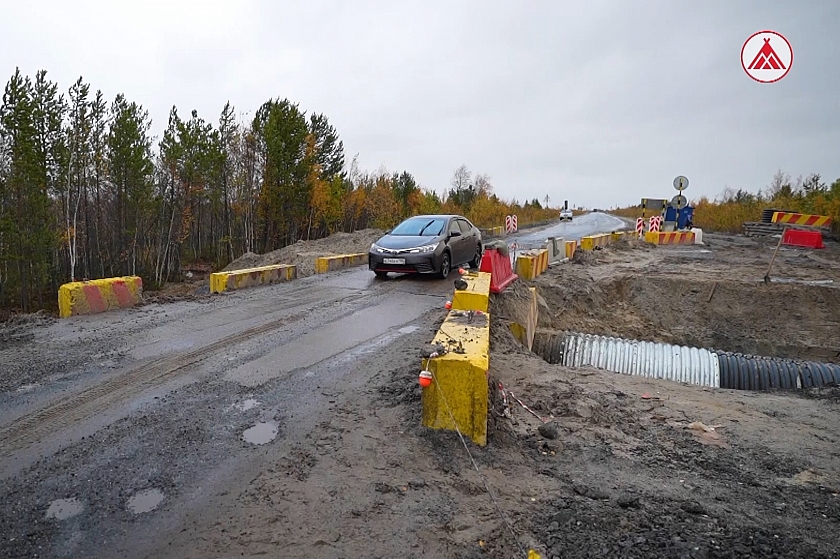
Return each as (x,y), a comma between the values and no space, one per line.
(475,263)
(445,265)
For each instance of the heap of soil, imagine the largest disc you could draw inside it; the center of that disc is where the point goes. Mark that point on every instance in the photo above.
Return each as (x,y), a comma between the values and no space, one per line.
(303,253)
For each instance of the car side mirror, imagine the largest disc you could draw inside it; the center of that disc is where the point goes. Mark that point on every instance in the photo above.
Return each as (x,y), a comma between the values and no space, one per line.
(455,234)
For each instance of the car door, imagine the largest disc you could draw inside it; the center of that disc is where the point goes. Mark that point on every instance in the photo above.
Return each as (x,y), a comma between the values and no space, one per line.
(469,235)
(456,242)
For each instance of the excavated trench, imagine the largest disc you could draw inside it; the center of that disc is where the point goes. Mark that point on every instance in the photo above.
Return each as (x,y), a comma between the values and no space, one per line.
(725,333)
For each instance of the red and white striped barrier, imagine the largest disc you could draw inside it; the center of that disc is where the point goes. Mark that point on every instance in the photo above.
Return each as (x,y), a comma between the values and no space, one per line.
(655,223)
(640,226)
(511,225)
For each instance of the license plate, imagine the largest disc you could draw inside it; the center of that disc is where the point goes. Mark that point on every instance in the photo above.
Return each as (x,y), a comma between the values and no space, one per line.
(400,261)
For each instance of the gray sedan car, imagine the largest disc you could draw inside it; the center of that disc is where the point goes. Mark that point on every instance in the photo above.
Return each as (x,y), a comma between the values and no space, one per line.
(427,244)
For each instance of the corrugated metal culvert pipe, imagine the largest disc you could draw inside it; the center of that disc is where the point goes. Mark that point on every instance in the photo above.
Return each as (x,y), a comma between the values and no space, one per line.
(691,365)
(647,359)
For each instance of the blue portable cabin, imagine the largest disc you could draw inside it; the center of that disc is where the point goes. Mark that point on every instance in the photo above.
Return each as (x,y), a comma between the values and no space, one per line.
(685,218)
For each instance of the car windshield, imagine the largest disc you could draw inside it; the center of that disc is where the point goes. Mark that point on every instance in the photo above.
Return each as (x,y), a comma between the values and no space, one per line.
(420,227)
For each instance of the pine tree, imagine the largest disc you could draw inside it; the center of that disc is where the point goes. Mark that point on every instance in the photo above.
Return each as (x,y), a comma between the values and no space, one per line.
(131,170)
(281,131)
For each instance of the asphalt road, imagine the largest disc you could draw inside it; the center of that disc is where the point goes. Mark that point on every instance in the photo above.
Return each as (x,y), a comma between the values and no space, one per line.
(581,226)
(120,430)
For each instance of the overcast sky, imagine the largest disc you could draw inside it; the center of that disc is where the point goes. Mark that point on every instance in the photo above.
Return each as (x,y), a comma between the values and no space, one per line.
(597,102)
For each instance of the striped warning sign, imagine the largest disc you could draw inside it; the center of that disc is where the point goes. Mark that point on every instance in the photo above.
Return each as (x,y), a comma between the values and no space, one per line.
(802,219)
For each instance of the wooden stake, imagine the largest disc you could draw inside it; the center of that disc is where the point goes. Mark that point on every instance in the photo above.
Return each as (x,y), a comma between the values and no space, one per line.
(767,275)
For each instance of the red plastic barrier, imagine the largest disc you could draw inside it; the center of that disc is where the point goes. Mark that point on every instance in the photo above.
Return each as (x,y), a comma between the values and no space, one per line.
(801,238)
(501,274)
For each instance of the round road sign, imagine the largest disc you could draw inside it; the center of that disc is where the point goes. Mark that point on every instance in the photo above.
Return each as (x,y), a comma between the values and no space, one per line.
(680,183)
(679,201)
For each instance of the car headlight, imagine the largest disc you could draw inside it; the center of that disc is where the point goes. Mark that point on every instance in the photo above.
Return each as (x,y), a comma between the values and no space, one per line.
(424,249)
(376,248)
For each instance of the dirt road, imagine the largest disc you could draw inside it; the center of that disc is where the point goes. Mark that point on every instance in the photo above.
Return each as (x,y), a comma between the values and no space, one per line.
(98,409)
(283,422)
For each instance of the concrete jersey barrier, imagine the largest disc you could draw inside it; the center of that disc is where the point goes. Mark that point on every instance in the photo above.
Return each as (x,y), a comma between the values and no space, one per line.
(476,297)
(525,332)
(571,246)
(326,264)
(96,296)
(460,376)
(670,238)
(251,277)
(592,241)
(532,263)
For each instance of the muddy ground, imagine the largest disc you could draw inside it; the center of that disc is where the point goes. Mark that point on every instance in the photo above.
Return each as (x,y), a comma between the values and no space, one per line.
(624,475)
(622,468)
(628,475)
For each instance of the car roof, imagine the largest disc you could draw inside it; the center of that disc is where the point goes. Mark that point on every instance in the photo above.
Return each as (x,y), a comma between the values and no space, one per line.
(436,216)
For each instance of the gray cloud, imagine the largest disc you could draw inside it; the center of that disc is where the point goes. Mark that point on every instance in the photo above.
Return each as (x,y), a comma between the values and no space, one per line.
(597,102)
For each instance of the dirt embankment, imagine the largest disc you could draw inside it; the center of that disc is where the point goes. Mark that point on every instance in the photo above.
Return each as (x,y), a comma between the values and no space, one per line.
(705,297)
(303,253)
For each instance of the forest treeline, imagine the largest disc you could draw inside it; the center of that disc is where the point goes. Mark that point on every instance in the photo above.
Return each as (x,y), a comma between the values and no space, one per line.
(732,208)
(86,192)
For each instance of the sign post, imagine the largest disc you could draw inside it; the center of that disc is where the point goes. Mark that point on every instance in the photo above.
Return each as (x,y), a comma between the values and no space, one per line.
(680,184)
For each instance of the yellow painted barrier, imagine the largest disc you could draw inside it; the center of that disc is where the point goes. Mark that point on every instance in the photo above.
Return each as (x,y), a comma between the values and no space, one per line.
(571,246)
(251,277)
(802,219)
(96,296)
(525,332)
(476,297)
(592,241)
(460,377)
(326,264)
(532,263)
(670,237)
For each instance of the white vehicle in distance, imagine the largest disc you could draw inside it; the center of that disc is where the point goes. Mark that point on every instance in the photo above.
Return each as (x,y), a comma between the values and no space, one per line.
(566,214)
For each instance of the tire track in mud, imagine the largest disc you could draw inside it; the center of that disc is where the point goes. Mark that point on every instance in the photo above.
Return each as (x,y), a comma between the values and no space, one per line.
(77,407)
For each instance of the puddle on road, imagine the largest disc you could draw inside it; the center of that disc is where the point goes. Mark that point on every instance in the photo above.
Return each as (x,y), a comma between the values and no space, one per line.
(261,433)
(28,387)
(802,281)
(408,329)
(62,509)
(246,405)
(145,501)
